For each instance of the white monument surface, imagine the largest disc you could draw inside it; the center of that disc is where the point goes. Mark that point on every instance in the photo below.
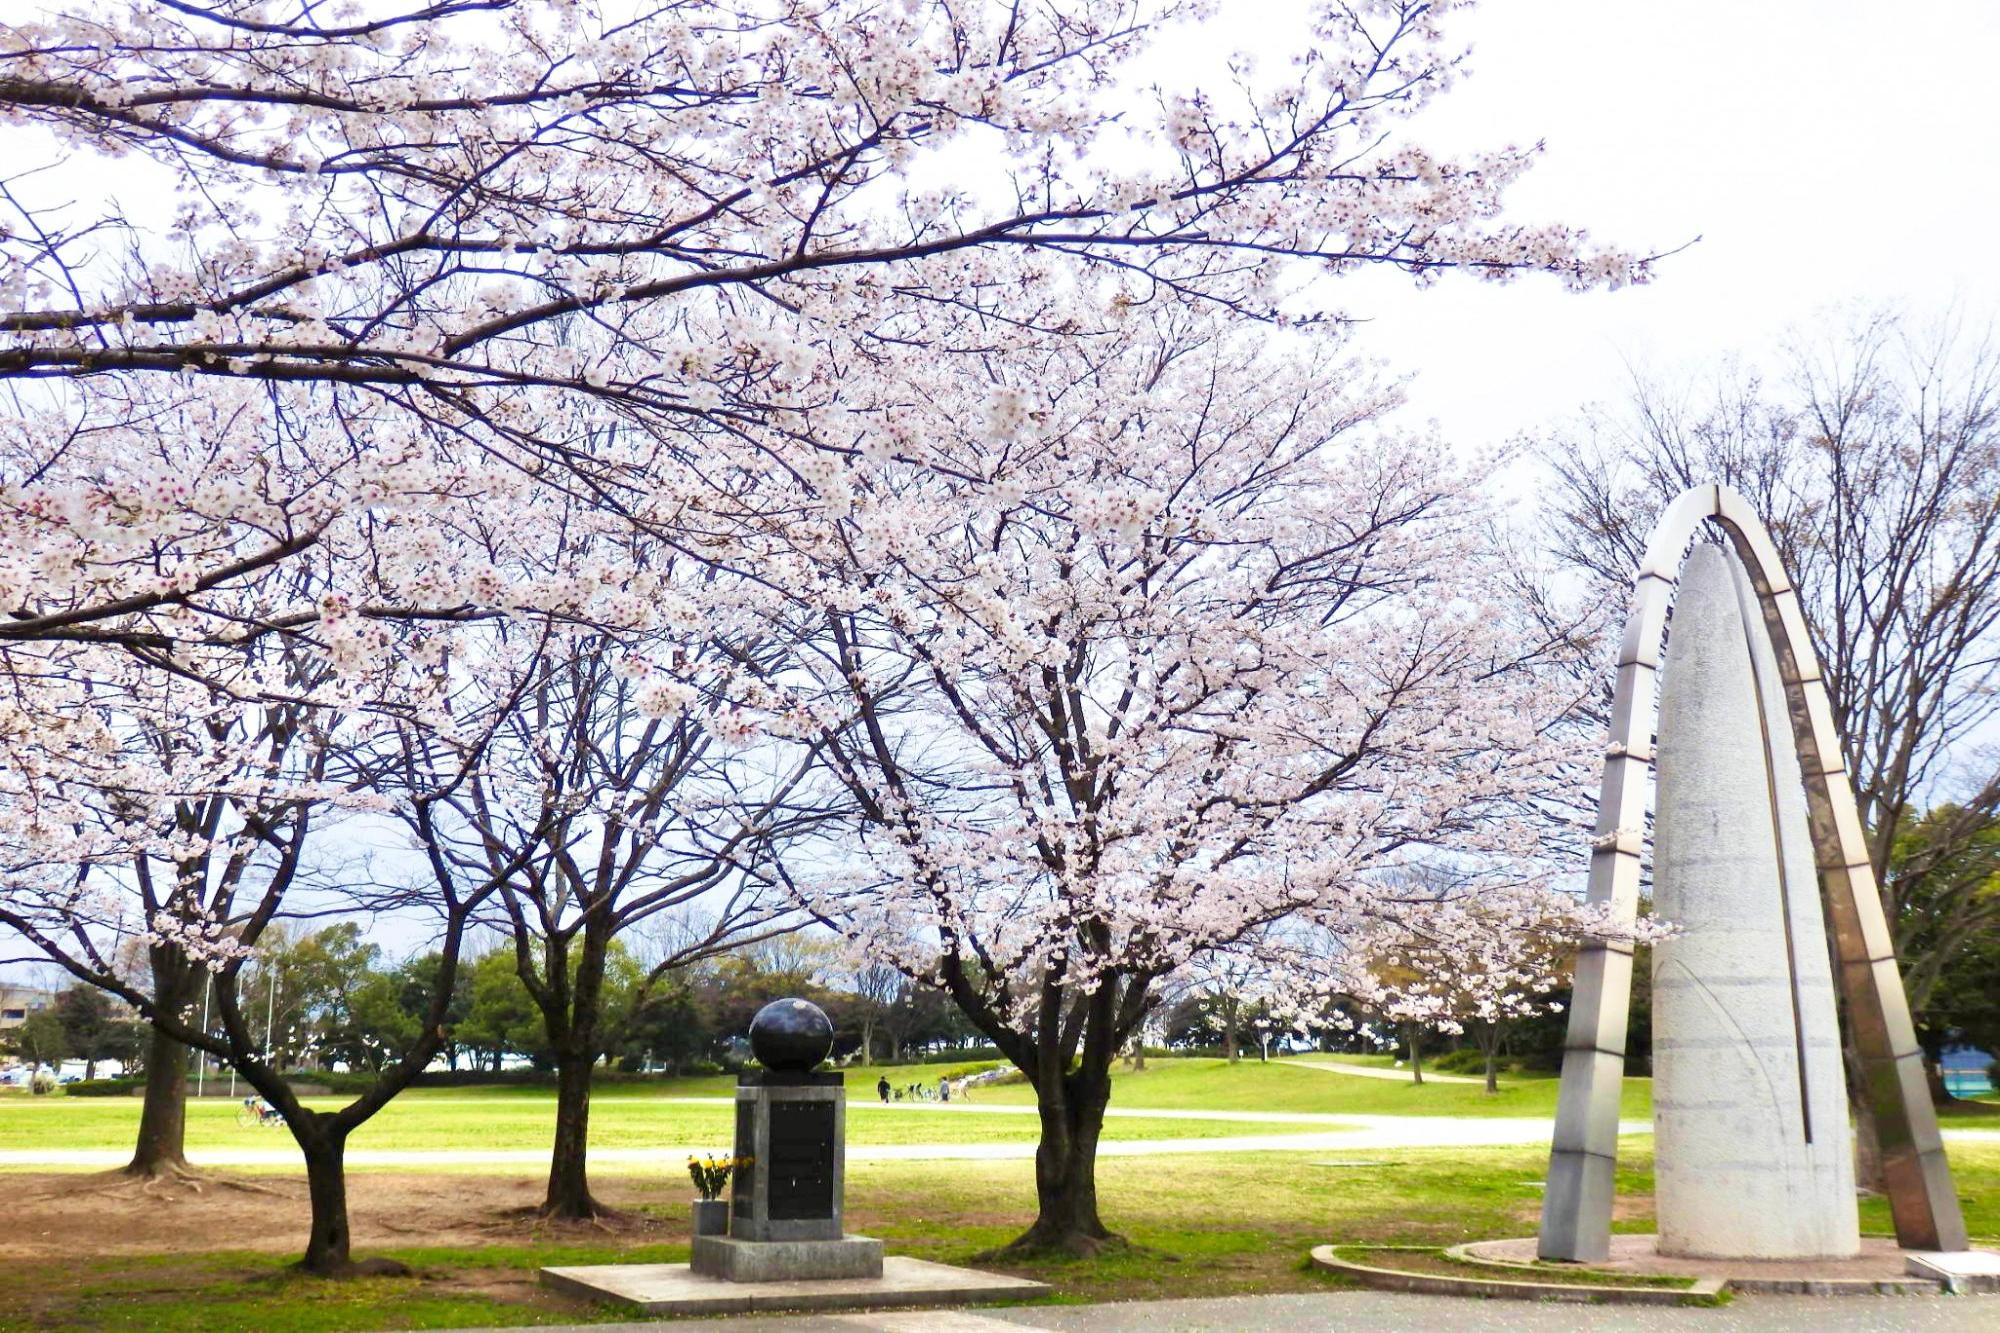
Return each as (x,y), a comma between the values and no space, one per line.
(1753,1152)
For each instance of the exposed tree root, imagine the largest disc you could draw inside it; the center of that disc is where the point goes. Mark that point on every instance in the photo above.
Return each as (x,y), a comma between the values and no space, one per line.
(601,1216)
(358,1268)
(539,1221)
(127,1183)
(166,1184)
(251,1187)
(1038,1244)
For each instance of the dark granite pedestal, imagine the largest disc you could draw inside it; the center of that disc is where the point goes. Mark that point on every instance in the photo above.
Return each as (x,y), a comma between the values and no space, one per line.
(785,1211)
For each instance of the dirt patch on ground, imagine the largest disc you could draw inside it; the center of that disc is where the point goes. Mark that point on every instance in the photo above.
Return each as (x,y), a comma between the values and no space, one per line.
(56,1215)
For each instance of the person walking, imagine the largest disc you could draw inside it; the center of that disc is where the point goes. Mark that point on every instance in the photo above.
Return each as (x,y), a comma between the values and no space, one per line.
(882,1087)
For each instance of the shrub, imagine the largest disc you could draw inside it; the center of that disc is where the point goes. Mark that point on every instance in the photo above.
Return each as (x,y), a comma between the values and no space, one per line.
(1468,1060)
(105,1087)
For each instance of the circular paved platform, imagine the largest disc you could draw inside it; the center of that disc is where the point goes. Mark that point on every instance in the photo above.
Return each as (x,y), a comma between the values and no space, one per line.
(1881,1266)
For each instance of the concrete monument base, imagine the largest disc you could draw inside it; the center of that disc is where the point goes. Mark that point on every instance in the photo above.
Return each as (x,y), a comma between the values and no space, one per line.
(735,1260)
(1962,1271)
(1878,1267)
(676,1289)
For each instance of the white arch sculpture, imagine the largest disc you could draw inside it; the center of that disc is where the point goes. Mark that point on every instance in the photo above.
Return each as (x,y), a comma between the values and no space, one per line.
(1576,1209)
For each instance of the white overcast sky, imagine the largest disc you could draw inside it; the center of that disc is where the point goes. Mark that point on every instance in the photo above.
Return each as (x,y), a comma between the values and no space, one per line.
(1825,152)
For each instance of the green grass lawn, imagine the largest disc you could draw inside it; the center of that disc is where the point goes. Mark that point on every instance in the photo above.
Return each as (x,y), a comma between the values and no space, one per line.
(647,1115)
(653,1115)
(1204,1225)
(1290,1084)
(467,1119)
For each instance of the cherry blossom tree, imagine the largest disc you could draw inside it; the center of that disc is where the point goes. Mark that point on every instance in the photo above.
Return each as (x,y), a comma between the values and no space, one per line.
(619,791)
(1160,638)
(435,215)
(1427,979)
(183,795)
(143,807)
(1248,977)
(856,305)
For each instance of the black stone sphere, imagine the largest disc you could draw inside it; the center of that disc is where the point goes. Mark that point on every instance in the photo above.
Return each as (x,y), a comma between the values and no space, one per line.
(791,1036)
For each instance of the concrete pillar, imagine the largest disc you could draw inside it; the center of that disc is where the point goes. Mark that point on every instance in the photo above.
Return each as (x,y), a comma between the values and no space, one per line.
(1751,1137)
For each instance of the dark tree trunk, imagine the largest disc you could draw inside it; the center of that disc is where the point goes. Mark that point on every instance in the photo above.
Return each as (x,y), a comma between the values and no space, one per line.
(1934,1079)
(161,1148)
(324,1145)
(1488,1034)
(569,1180)
(1415,1037)
(1072,1113)
(574,1035)
(1229,1051)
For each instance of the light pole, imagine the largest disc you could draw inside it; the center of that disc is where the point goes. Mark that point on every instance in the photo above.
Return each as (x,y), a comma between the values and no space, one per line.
(270,1015)
(201,1053)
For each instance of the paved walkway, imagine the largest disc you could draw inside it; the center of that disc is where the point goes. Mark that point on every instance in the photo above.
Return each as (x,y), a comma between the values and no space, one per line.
(1351,1133)
(1358,1133)
(1385,1312)
(1335,1132)
(1373,1071)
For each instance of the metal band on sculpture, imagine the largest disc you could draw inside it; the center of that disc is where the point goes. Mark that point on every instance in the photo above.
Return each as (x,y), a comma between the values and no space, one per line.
(1576,1210)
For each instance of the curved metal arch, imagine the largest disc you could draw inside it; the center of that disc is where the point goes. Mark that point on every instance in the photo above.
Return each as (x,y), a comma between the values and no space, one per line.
(1576,1209)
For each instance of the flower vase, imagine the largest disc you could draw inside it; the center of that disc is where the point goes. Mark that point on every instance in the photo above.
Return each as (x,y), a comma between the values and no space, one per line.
(711,1217)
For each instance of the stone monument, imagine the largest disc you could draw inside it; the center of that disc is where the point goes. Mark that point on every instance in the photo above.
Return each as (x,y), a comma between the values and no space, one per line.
(785,1208)
(786,1249)
(1760,856)
(1754,1158)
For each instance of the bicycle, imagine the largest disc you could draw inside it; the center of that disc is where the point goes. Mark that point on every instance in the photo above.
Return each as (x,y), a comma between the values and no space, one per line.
(256,1113)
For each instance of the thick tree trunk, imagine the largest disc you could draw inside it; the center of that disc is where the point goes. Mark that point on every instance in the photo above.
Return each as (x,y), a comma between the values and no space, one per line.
(1229,1051)
(161,1148)
(574,1039)
(569,1179)
(326,1183)
(1072,1114)
(1492,1073)
(1934,1080)
(867,1044)
(1415,1037)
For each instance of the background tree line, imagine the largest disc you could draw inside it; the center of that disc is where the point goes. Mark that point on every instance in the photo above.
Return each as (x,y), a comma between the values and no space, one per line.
(334,1001)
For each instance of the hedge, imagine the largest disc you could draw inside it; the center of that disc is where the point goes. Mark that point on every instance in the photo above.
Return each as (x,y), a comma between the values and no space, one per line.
(104,1087)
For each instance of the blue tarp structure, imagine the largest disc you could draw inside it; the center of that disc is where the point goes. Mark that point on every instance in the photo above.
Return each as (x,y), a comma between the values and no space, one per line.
(1965,1070)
